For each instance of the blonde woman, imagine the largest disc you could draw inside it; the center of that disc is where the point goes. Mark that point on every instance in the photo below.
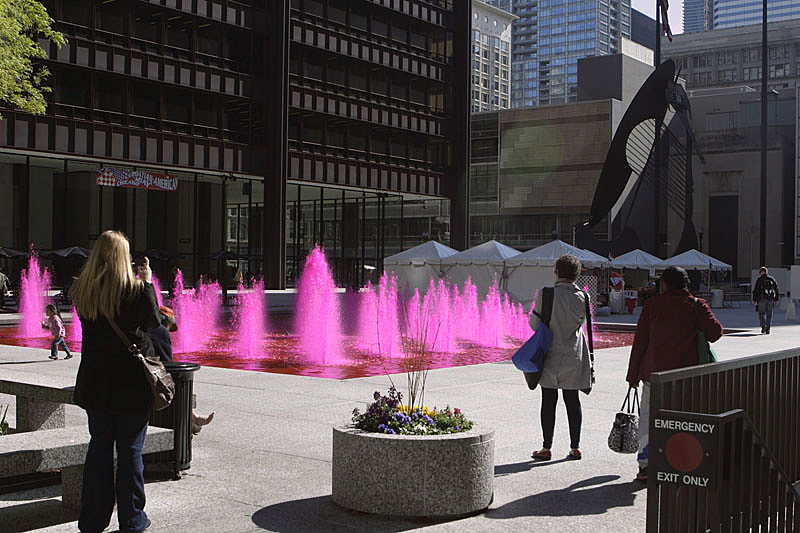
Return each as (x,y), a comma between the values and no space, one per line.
(111,385)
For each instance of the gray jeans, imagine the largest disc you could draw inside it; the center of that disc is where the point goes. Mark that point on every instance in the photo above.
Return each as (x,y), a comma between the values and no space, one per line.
(765,306)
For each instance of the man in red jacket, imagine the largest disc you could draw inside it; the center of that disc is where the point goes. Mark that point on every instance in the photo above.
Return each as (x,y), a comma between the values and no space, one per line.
(666,338)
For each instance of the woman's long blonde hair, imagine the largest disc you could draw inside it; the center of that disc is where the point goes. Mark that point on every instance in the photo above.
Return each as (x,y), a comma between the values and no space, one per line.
(106,279)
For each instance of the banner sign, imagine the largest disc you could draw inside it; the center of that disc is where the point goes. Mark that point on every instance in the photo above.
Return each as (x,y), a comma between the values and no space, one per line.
(684,449)
(139,179)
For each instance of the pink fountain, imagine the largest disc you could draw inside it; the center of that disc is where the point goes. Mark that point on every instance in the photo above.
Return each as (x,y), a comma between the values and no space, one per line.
(197,312)
(75,328)
(379,326)
(33,287)
(249,321)
(492,330)
(470,313)
(157,288)
(317,315)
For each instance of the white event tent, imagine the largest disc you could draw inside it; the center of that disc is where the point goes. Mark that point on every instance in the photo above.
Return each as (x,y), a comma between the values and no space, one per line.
(696,260)
(482,264)
(638,259)
(416,266)
(532,270)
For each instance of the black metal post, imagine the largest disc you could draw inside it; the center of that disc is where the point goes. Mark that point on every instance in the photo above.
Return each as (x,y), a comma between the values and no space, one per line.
(764,103)
(657,146)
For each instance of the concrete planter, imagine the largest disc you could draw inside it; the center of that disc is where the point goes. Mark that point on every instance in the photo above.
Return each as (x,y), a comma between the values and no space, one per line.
(413,475)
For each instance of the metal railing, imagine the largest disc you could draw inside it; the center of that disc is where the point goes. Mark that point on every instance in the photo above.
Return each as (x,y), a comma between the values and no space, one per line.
(759,451)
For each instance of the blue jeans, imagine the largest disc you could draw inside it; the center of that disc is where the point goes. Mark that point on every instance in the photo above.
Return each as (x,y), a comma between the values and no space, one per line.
(55,344)
(97,504)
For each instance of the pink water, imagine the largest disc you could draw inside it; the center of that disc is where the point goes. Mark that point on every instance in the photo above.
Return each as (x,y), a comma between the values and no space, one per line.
(317,312)
(157,288)
(197,312)
(33,286)
(455,326)
(249,321)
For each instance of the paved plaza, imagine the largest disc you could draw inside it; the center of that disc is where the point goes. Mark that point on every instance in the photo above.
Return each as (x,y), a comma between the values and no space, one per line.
(264,464)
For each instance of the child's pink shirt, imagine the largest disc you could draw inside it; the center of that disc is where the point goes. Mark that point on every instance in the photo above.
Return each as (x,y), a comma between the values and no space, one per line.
(56,326)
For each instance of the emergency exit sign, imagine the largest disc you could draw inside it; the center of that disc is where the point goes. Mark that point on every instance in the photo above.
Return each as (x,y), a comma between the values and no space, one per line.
(684,449)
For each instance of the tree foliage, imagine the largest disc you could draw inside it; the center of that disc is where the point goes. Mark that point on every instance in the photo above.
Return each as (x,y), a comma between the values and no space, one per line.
(23,23)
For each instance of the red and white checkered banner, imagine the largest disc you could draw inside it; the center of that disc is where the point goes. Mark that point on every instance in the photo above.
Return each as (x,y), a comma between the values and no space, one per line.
(140,179)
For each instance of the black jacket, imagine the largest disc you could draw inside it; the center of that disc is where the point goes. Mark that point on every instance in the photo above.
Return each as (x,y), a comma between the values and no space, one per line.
(162,342)
(110,379)
(764,283)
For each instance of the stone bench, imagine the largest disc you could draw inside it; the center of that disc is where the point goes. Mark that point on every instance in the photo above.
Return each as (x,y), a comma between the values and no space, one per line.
(40,398)
(62,449)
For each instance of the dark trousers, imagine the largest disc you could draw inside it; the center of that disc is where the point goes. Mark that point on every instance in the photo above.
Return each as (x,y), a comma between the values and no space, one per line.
(548,414)
(128,432)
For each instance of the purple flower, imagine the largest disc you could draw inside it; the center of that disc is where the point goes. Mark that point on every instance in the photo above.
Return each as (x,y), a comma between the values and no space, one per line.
(458,428)
(390,431)
(381,427)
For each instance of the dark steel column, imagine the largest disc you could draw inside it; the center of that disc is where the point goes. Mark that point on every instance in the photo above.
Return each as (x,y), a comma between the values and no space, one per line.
(657,153)
(764,120)
(276,39)
(458,175)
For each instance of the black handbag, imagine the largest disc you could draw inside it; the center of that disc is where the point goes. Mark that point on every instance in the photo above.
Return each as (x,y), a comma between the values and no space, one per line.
(161,384)
(625,430)
(532,378)
(591,342)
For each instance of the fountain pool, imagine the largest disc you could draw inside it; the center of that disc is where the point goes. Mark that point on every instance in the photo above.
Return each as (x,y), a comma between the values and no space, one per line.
(356,335)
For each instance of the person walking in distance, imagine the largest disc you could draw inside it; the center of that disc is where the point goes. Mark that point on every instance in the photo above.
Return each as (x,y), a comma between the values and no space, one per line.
(567,363)
(3,288)
(765,296)
(666,338)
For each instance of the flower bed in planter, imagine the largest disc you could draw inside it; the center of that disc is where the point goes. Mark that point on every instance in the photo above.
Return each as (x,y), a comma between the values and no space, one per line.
(413,475)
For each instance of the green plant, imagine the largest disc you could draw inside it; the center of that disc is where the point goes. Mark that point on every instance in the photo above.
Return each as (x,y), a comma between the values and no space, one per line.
(387,414)
(22,74)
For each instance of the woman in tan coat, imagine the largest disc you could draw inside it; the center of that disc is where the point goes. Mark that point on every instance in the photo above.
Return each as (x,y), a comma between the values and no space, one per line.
(567,363)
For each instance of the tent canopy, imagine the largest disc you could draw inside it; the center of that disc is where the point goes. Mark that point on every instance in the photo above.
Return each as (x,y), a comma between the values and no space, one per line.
(483,254)
(430,252)
(696,260)
(637,259)
(547,254)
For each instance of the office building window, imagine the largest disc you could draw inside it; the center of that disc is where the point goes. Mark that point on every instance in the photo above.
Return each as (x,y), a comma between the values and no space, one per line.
(705,60)
(751,55)
(751,73)
(727,74)
(726,58)
(779,71)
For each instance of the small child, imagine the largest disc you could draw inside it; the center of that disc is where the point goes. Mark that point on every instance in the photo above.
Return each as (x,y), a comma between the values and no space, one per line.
(56,327)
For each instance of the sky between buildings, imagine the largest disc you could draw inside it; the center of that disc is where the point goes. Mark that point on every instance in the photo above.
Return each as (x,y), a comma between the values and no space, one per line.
(648,7)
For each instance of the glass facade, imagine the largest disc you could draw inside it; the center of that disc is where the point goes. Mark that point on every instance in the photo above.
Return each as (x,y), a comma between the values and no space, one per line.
(697,15)
(732,13)
(550,37)
(286,124)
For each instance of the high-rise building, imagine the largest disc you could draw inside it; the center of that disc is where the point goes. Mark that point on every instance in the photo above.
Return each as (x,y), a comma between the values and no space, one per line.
(550,37)
(491,57)
(704,15)
(697,15)
(732,13)
(239,134)
(643,29)
(732,57)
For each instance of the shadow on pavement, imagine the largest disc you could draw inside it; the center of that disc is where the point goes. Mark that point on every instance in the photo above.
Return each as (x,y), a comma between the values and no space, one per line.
(25,362)
(321,514)
(36,515)
(579,499)
(525,466)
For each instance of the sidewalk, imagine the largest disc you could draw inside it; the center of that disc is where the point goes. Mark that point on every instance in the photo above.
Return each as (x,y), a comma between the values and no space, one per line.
(264,463)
